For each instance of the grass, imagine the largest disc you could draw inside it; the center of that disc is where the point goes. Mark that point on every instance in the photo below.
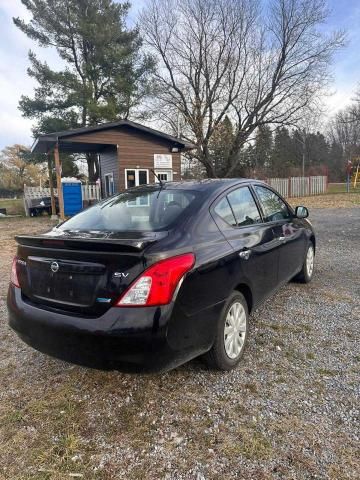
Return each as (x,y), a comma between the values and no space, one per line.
(328,200)
(249,443)
(341,188)
(326,372)
(49,423)
(14,206)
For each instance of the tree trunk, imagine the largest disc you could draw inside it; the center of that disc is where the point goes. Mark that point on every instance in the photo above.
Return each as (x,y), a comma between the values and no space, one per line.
(93,166)
(51,186)
(210,172)
(205,159)
(238,143)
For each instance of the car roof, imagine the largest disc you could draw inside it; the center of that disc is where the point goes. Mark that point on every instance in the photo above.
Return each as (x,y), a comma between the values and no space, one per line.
(210,185)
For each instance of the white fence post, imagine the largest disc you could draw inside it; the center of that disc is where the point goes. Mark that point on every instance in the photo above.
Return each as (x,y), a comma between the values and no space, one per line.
(90,192)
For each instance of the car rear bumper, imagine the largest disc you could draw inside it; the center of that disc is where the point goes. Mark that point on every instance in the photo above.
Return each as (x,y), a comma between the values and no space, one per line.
(127,339)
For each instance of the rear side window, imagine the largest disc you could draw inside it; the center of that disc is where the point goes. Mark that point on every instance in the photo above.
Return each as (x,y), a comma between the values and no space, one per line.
(224,211)
(244,207)
(238,208)
(273,207)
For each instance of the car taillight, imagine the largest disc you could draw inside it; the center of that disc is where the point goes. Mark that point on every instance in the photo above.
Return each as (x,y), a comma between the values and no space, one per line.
(156,286)
(14,276)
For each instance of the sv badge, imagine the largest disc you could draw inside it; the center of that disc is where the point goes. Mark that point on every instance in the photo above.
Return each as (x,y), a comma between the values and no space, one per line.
(121,275)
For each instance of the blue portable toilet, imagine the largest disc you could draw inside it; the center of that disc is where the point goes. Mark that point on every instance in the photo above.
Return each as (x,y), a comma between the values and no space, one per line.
(72,196)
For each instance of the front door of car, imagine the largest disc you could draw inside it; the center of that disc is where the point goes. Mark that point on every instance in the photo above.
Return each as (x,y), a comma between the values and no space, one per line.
(255,259)
(288,231)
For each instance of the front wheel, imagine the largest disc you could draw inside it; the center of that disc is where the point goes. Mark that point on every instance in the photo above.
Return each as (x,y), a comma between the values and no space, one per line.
(307,271)
(231,334)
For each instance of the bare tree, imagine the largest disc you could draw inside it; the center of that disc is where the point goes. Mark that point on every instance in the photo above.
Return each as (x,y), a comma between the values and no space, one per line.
(346,132)
(220,58)
(354,109)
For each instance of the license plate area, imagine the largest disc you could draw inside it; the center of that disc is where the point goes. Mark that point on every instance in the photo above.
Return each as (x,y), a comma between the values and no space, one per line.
(65,282)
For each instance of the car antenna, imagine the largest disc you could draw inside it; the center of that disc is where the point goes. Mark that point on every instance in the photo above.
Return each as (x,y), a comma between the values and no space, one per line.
(157,176)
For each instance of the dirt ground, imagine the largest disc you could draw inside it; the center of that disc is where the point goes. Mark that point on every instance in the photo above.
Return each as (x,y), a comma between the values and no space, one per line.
(289,411)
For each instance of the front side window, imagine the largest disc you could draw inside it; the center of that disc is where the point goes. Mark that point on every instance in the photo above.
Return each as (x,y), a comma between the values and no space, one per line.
(151,209)
(273,206)
(244,207)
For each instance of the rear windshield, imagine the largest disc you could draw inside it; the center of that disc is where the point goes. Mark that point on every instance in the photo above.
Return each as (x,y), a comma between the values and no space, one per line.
(149,210)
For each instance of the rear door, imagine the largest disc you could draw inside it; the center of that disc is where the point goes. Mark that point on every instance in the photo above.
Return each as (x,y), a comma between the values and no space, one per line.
(255,253)
(289,233)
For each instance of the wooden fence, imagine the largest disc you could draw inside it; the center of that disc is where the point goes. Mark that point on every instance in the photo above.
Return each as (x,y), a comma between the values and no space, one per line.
(299,186)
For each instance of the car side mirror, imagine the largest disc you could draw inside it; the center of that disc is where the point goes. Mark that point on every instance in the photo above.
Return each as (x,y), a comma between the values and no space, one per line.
(301,212)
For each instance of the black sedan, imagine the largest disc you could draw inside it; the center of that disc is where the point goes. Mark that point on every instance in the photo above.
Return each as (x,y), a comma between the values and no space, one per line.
(157,275)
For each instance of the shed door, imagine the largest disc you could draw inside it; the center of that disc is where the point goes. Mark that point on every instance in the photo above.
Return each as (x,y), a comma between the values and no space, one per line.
(136,177)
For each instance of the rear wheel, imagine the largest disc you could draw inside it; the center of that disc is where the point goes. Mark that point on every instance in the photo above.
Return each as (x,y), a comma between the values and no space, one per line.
(307,270)
(231,334)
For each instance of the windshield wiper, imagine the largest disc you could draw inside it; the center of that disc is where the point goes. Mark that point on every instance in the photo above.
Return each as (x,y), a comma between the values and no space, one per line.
(160,181)
(157,176)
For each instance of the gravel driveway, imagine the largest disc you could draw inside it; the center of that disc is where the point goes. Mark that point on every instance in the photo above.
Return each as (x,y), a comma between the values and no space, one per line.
(289,411)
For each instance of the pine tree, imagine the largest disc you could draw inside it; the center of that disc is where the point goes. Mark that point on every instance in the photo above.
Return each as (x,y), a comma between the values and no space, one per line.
(104,76)
(317,150)
(263,147)
(283,156)
(220,145)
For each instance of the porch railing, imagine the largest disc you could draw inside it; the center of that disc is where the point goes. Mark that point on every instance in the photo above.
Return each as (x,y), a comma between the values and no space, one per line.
(90,193)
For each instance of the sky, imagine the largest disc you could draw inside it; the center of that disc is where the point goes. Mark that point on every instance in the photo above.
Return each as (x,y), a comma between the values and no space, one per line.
(14,47)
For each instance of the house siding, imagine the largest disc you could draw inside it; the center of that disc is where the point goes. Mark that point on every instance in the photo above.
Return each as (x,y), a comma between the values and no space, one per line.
(109,163)
(137,150)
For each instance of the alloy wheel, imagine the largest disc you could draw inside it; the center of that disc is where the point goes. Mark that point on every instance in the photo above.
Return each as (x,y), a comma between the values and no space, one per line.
(235,330)
(310,261)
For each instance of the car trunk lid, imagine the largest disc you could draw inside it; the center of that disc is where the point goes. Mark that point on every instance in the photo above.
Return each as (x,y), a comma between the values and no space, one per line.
(80,274)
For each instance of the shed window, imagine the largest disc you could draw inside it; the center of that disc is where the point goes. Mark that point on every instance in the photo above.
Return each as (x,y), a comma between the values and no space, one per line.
(163,176)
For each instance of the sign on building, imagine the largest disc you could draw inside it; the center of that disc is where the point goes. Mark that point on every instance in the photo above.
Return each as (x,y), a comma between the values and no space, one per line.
(162,160)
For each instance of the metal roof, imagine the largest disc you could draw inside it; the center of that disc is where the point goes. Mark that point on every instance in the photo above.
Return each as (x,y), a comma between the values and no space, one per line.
(44,143)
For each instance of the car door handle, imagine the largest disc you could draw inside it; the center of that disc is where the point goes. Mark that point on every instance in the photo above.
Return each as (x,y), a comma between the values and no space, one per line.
(281,239)
(245,254)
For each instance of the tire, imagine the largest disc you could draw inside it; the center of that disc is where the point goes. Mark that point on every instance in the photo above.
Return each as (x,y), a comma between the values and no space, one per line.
(226,355)
(306,273)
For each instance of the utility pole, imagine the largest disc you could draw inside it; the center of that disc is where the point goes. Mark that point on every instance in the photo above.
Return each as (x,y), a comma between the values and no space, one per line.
(303,161)
(58,181)
(302,141)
